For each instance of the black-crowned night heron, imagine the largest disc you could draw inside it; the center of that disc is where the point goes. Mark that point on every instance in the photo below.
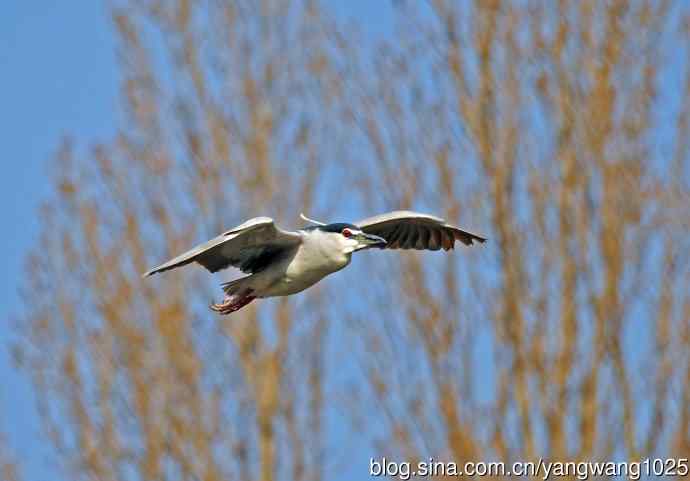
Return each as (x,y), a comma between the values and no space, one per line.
(282,262)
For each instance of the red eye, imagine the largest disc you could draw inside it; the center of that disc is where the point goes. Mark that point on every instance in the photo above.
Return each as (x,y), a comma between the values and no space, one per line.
(347,232)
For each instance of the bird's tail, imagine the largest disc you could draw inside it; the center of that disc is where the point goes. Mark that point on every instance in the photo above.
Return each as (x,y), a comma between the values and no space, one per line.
(232,288)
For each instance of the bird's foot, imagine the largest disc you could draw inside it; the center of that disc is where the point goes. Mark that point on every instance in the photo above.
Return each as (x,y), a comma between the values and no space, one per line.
(230,304)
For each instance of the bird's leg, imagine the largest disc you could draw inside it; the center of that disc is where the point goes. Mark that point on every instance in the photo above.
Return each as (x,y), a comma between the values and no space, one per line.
(232,303)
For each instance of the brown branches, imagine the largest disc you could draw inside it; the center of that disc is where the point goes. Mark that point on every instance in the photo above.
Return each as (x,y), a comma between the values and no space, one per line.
(564,337)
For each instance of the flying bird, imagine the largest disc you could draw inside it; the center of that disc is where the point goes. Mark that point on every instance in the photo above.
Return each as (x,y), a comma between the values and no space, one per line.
(281,263)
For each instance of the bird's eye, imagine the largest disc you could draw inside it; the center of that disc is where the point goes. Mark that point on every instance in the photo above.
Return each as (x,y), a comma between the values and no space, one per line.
(347,232)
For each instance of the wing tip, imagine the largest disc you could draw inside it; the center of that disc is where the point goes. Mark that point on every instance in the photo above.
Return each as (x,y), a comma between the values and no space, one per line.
(475,241)
(469,239)
(156,270)
(148,273)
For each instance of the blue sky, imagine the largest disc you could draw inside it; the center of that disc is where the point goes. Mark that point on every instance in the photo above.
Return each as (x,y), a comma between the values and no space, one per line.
(58,76)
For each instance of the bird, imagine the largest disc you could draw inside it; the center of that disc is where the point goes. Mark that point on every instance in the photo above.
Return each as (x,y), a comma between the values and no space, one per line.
(281,262)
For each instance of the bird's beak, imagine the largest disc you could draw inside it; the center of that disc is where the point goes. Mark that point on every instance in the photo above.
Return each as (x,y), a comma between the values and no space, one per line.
(370,240)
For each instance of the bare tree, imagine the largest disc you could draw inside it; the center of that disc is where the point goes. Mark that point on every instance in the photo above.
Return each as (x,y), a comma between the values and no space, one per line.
(8,467)
(137,380)
(558,129)
(568,338)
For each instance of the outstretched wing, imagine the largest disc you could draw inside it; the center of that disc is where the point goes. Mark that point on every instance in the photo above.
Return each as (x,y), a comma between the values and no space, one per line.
(250,247)
(404,229)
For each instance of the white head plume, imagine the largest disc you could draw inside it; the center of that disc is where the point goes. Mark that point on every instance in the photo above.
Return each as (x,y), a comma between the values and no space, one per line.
(307,219)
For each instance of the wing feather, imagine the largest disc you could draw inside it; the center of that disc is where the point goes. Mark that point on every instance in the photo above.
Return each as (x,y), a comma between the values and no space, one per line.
(448,240)
(423,239)
(404,236)
(410,236)
(434,239)
(394,241)
(413,230)
(250,247)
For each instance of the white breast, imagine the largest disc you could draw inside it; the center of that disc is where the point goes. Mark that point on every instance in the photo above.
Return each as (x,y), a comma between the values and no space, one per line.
(319,255)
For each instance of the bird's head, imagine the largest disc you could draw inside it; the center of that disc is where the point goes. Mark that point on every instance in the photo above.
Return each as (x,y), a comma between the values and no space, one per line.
(350,237)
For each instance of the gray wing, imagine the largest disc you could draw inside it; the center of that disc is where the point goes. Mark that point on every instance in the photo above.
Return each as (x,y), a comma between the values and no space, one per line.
(404,229)
(250,247)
